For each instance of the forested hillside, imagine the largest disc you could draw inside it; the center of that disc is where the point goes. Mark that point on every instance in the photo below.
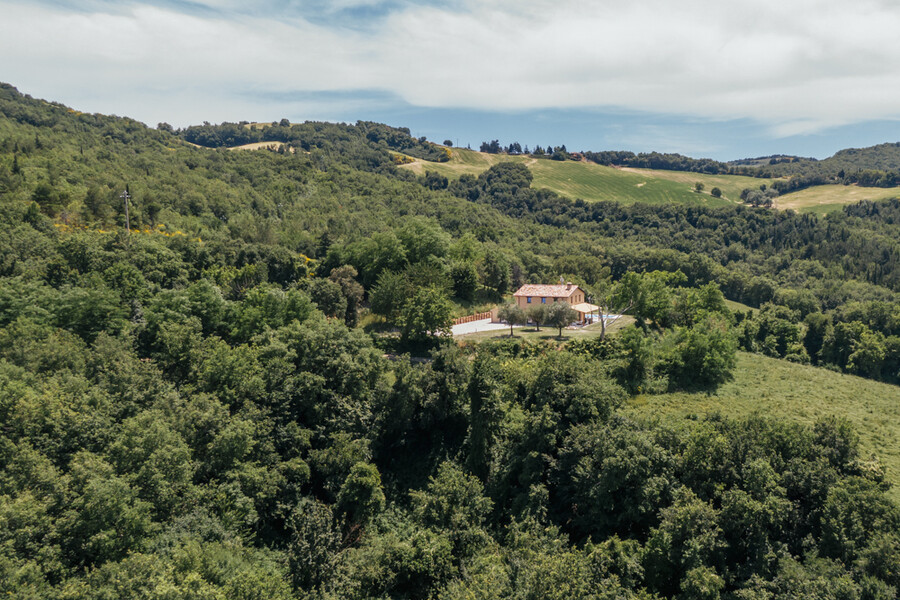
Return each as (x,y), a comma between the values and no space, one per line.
(244,396)
(309,134)
(876,165)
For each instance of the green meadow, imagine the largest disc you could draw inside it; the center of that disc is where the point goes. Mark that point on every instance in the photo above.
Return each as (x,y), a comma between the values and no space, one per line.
(822,199)
(593,183)
(801,393)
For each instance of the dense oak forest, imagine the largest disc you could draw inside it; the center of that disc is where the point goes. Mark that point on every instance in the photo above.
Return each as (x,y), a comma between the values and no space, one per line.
(243,396)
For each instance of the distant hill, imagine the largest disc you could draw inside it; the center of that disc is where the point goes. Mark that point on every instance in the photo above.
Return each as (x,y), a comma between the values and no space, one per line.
(765,161)
(877,166)
(872,167)
(885,157)
(594,182)
(377,135)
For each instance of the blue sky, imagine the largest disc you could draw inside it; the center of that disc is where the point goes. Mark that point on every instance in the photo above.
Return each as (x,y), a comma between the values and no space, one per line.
(706,78)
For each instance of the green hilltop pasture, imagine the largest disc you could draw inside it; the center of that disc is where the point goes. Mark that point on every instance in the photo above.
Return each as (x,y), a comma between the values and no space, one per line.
(777,388)
(592,182)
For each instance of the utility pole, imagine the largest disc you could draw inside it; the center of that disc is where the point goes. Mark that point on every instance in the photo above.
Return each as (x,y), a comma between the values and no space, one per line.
(125,196)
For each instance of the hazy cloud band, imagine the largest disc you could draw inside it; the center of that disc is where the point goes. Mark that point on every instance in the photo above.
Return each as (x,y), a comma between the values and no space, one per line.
(798,66)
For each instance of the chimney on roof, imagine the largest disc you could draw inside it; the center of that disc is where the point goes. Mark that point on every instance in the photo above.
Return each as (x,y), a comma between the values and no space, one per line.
(568,285)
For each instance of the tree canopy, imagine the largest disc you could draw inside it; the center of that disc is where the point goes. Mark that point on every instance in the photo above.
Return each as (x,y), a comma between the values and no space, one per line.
(251,393)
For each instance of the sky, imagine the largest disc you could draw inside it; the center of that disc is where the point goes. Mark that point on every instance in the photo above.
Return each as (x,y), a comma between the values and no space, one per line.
(706,78)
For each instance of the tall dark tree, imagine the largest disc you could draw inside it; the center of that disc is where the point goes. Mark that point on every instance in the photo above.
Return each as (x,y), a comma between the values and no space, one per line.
(485,414)
(352,291)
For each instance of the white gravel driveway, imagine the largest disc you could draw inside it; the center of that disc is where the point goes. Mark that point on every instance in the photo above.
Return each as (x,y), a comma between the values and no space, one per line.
(476,326)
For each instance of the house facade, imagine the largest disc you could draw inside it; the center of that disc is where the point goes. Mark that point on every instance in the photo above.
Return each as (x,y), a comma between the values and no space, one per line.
(530,294)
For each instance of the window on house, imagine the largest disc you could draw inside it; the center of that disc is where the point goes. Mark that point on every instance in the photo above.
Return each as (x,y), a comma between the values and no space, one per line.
(543,301)
(528,299)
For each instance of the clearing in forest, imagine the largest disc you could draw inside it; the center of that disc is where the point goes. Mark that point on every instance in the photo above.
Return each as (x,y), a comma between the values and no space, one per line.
(259,146)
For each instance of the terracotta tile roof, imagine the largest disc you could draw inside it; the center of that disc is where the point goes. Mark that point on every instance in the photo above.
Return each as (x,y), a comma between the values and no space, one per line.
(546,291)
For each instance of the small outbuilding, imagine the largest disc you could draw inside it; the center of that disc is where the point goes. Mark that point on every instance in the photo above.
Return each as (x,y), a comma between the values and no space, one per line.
(587,312)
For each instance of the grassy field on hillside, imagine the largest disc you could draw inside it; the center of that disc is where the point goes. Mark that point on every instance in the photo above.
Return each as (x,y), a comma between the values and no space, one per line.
(592,182)
(258,146)
(464,161)
(825,198)
(738,306)
(731,185)
(784,390)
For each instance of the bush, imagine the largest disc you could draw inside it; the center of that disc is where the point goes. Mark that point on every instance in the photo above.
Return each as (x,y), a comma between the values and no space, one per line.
(702,356)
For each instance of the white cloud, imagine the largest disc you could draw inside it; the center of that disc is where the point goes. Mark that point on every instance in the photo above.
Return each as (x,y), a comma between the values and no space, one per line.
(798,66)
